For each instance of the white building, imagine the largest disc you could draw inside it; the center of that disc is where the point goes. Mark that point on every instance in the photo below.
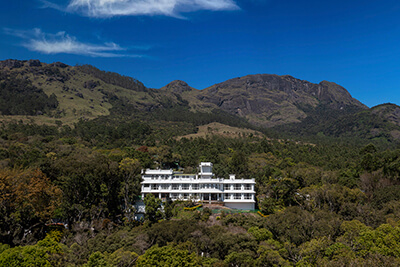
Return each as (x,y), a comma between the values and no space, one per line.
(232,192)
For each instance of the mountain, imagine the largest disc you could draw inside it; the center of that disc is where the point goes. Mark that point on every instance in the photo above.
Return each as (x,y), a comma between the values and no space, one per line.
(31,90)
(390,112)
(177,87)
(82,92)
(270,100)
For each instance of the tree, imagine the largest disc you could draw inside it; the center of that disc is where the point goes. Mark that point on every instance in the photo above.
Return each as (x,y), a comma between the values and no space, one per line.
(239,259)
(122,258)
(167,256)
(130,168)
(40,254)
(27,201)
(168,209)
(269,255)
(268,205)
(313,250)
(351,230)
(162,154)
(370,148)
(97,259)
(91,185)
(260,234)
(153,208)
(238,164)
(25,256)
(384,240)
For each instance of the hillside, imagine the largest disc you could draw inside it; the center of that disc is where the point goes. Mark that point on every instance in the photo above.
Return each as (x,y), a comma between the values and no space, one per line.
(379,125)
(74,139)
(57,94)
(220,129)
(82,92)
(270,100)
(266,100)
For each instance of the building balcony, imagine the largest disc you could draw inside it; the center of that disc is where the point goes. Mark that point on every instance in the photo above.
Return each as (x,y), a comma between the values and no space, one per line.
(179,190)
(239,191)
(239,181)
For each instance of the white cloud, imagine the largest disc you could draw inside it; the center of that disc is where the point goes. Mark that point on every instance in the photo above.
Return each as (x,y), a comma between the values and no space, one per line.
(61,42)
(110,8)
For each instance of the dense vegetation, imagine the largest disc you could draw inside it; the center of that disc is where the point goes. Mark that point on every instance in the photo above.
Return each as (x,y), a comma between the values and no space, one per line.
(19,97)
(112,78)
(327,188)
(352,125)
(324,203)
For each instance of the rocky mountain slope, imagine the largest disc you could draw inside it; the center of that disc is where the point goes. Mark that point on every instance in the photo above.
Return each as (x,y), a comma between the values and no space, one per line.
(72,93)
(268,100)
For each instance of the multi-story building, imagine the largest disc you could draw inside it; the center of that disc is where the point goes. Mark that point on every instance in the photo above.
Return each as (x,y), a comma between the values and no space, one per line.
(168,184)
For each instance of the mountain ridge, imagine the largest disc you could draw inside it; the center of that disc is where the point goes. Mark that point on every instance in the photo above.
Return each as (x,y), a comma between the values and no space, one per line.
(283,103)
(269,99)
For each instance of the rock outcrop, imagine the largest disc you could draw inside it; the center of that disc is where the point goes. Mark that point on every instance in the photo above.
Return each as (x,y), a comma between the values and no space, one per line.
(271,100)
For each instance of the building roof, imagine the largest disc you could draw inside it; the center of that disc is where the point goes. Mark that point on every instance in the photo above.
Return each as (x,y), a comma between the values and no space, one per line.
(159,172)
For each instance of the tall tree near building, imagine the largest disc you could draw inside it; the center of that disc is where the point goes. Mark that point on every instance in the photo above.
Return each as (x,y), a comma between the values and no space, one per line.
(130,168)
(153,208)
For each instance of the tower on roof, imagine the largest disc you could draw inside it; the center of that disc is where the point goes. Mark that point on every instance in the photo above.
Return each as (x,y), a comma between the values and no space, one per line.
(205,170)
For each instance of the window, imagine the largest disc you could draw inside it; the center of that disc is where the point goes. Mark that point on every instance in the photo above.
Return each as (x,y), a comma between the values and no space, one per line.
(227,187)
(185,186)
(227,196)
(165,186)
(205,169)
(195,187)
(154,187)
(247,196)
(175,187)
(185,196)
(174,196)
(247,187)
(238,187)
(146,185)
(237,196)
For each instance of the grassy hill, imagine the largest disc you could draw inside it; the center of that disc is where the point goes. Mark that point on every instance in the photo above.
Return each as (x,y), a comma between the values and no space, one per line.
(58,94)
(220,129)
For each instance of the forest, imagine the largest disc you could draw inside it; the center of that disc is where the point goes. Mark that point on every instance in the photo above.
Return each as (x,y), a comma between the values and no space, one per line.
(67,194)
(20,97)
(327,188)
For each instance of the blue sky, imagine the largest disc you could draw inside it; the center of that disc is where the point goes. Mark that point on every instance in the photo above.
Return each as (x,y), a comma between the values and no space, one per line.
(353,43)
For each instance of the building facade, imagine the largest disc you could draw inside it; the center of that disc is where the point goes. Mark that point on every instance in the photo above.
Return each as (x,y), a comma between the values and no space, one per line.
(168,184)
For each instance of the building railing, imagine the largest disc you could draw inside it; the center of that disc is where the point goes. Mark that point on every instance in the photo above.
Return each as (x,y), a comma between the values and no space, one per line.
(200,180)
